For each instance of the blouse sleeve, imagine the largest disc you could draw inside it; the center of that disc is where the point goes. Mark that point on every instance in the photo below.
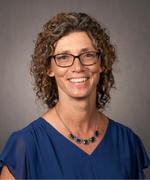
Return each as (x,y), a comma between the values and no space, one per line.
(141,158)
(14,156)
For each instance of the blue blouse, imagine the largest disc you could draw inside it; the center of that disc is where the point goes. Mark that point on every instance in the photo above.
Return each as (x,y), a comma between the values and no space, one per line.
(39,151)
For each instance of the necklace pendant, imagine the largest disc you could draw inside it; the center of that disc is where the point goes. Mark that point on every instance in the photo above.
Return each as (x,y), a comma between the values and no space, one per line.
(71,136)
(78,140)
(92,139)
(85,142)
(96,133)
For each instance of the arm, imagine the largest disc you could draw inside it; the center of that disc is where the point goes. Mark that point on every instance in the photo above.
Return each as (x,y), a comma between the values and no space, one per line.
(5,174)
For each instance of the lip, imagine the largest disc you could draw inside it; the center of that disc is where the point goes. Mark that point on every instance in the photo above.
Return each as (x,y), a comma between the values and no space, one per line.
(75,77)
(78,80)
(78,84)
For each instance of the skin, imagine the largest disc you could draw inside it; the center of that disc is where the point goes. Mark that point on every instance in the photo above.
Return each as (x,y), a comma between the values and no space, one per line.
(77,101)
(75,43)
(5,174)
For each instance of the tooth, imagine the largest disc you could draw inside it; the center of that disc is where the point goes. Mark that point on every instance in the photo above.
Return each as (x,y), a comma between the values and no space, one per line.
(78,80)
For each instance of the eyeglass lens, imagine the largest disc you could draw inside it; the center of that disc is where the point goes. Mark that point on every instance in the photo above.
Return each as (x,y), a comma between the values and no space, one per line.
(88,58)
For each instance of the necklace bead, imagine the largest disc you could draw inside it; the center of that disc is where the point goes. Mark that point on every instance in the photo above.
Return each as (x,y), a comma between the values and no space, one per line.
(92,139)
(96,133)
(78,140)
(86,142)
(71,136)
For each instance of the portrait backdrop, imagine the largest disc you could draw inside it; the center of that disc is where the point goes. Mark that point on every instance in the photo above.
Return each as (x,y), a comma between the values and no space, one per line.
(128,22)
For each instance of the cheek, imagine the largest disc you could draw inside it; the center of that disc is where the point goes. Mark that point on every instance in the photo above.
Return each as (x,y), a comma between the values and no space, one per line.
(60,73)
(96,70)
(98,78)
(97,75)
(57,71)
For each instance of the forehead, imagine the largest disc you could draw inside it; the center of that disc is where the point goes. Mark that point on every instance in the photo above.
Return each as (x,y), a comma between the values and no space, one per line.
(76,41)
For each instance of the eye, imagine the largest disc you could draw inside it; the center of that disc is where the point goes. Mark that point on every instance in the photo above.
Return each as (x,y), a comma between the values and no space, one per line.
(62,57)
(89,55)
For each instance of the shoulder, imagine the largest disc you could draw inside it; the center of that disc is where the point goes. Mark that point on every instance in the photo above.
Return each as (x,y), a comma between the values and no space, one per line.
(28,130)
(23,142)
(27,136)
(125,139)
(128,147)
(121,129)
(123,136)
(20,148)
(32,132)
(33,125)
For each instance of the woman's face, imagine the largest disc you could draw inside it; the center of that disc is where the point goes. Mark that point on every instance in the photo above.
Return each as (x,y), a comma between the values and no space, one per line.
(67,78)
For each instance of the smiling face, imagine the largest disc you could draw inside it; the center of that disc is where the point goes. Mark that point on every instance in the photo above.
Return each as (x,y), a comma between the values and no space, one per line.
(76,81)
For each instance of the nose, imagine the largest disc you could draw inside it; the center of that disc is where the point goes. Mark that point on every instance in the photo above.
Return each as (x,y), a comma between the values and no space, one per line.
(77,66)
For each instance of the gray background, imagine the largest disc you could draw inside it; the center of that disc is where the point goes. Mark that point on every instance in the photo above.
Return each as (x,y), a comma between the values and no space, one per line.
(128,22)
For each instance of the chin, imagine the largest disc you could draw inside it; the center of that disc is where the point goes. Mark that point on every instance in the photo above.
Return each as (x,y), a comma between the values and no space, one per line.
(80,96)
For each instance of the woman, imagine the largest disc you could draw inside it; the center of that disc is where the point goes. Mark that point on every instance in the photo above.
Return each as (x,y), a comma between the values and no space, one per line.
(72,68)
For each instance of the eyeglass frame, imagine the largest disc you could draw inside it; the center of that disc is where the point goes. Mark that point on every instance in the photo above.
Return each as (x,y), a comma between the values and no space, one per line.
(97,53)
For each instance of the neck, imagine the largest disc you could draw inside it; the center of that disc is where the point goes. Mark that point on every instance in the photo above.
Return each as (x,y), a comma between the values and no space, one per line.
(78,113)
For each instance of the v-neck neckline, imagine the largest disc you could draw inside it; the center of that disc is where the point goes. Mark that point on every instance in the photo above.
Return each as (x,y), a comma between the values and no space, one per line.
(70,142)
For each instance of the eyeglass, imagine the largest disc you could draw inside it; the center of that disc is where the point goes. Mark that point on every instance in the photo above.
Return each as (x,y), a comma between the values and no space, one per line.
(86,59)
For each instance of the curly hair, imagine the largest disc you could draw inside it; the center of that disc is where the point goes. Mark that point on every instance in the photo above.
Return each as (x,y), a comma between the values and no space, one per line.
(61,25)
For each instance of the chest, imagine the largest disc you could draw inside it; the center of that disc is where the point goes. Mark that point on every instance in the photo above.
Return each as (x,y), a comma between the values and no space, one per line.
(61,159)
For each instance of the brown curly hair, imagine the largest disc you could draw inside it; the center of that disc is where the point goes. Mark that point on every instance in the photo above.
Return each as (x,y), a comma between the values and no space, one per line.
(59,26)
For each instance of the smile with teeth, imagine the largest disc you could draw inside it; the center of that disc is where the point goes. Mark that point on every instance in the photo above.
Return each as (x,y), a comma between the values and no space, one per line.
(78,80)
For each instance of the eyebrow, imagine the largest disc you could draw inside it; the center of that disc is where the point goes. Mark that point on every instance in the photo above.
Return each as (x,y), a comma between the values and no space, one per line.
(81,51)
(86,49)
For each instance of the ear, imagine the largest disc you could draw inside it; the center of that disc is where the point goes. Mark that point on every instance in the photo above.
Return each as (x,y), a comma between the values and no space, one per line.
(101,69)
(50,72)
